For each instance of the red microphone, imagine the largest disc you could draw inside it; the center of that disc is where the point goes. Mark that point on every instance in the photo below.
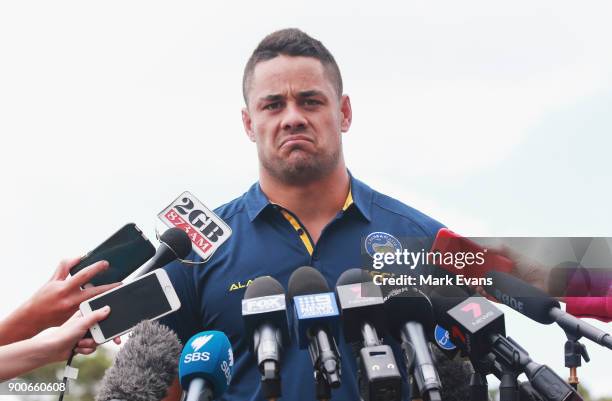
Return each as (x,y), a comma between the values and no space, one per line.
(451,245)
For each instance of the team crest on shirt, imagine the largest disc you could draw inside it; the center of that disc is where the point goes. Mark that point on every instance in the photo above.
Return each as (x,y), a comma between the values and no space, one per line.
(380,242)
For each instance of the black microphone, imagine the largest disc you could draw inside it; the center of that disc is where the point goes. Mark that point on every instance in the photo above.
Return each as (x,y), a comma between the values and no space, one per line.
(477,326)
(537,305)
(363,314)
(315,318)
(145,366)
(174,244)
(412,315)
(265,320)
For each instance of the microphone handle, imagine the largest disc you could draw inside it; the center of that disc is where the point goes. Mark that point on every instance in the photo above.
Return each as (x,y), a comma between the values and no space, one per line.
(162,257)
(579,328)
(268,348)
(328,356)
(268,360)
(369,334)
(425,373)
(199,390)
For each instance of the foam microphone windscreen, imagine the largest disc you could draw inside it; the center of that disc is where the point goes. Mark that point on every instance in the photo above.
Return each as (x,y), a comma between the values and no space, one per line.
(407,304)
(354,276)
(262,287)
(306,280)
(145,366)
(177,240)
(455,375)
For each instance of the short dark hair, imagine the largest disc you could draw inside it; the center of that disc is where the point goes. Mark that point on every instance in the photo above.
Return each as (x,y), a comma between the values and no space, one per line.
(291,42)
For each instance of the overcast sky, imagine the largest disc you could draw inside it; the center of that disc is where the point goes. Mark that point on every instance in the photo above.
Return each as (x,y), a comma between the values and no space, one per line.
(492,117)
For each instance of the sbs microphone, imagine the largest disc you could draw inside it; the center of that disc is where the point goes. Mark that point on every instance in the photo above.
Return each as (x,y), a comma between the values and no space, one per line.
(265,319)
(315,318)
(174,244)
(363,314)
(206,365)
(537,305)
(145,366)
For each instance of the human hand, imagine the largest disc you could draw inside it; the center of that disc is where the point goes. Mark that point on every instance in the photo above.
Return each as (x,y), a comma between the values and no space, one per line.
(58,343)
(57,300)
(529,270)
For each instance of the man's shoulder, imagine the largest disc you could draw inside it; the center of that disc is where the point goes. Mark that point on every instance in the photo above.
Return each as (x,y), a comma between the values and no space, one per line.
(232,208)
(385,204)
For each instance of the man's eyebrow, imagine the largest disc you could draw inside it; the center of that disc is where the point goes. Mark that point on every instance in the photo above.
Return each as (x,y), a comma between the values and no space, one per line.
(302,94)
(311,93)
(271,98)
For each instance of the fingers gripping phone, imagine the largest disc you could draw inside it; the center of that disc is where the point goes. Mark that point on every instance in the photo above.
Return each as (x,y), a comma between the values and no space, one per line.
(147,298)
(126,250)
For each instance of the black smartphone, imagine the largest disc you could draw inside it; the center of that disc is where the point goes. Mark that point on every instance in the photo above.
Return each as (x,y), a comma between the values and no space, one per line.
(126,250)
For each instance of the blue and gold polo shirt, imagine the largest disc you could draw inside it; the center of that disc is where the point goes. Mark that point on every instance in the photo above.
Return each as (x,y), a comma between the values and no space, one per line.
(270,240)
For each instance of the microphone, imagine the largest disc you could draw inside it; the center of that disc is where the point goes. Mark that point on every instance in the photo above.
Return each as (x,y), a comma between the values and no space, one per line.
(265,320)
(363,312)
(315,318)
(145,366)
(448,243)
(412,315)
(174,244)
(477,326)
(206,366)
(537,305)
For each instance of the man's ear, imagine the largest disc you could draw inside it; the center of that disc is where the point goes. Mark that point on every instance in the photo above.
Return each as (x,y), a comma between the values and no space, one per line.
(347,113)
(248,124)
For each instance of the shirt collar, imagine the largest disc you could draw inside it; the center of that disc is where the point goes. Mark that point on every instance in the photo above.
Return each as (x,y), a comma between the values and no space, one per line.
(359,197)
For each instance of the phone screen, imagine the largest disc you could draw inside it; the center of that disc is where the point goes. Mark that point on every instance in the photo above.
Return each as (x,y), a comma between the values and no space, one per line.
(125,251)
(141,299)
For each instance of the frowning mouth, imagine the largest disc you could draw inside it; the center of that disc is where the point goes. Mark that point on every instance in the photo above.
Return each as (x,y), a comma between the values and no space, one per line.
(295,139)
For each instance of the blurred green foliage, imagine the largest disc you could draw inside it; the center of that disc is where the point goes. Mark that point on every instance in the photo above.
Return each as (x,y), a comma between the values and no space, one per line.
(91,370)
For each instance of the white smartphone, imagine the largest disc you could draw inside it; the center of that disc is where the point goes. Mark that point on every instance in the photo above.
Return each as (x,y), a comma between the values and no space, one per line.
(147,298)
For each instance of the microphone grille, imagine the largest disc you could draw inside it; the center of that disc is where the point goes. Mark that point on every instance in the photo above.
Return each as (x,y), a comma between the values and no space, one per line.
(306,280)
(177,240)
(354,276)
(263,286)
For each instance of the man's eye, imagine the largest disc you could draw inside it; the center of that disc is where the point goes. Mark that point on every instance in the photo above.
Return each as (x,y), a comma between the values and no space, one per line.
(311,102)
(272,106)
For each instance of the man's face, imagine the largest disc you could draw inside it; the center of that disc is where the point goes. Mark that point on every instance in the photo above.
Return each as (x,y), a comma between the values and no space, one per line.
(295,118)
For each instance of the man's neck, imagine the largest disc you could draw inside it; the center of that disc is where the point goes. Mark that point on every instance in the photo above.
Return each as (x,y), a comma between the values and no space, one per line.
(314,203)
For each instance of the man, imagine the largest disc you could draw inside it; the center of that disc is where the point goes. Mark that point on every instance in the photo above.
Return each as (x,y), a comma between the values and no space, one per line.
(306,210)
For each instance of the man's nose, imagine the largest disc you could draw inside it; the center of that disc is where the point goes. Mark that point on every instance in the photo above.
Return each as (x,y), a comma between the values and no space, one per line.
(293,118)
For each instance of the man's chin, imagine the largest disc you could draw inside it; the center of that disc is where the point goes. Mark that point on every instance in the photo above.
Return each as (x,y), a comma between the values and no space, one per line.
(300,171)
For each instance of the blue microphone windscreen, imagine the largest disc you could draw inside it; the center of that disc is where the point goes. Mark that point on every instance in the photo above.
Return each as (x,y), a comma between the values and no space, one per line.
(207,355)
